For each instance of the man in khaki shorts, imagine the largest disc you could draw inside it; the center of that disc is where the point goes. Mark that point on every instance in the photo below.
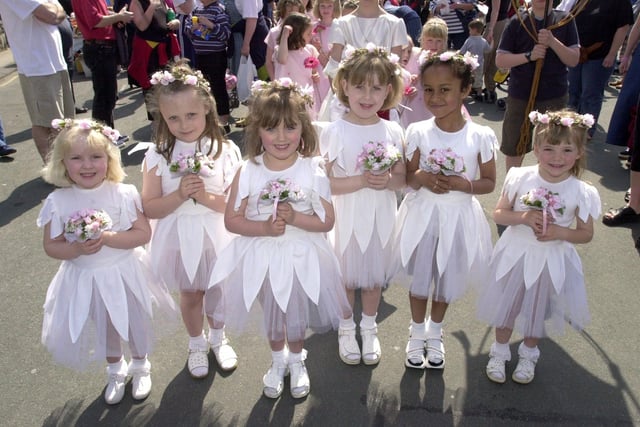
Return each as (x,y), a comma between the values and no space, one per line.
(31,27)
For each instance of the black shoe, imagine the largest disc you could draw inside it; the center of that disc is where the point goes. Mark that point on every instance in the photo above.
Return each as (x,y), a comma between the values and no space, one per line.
(7,150)
(490,96)
(81,110)
(625,155)
(122,141)
(502,104)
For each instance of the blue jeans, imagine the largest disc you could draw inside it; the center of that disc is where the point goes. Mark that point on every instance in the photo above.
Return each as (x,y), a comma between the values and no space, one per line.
(586,88)
(620,119)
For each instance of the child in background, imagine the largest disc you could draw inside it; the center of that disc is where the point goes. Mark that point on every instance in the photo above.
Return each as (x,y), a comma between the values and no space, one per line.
(478,46)
(185,179)
(326,12)
(442,236)
(280,205)
(298,60)
(102,292)
(434,40)
(365,199)
(284,9)
(209,30)
(536,284)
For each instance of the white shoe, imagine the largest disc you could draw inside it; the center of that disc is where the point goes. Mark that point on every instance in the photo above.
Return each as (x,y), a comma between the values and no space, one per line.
(526,368)
(416,348)
(348,348)
(140,379)
(496,367)
(435,353)
(273,380)
(225,355)
(371,351)
(300,384)
(116,380)
(198,362)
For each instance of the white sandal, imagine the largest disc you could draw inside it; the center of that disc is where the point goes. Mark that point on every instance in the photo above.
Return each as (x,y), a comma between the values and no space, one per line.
(273,380)
(348,348)
(198,362)
(435,353)
(371,351)
(225,355)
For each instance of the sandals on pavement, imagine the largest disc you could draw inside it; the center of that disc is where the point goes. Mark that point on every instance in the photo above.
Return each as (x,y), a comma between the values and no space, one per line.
(620,216)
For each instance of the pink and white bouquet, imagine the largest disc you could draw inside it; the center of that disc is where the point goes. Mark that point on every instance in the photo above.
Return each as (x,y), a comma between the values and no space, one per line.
(196,163)
(378,157)
(281,190)
(86,224)
(444,161)
(545,200)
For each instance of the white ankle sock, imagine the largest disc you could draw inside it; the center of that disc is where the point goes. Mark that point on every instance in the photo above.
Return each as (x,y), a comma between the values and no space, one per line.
(347,323)
(418,330)
(199,342)
(281,356)
(118,367)
(368,322)
(434,329)
(295,357)
(502,349)
(138,363)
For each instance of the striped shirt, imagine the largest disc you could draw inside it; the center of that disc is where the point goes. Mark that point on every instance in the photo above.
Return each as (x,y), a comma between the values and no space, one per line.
(207,40)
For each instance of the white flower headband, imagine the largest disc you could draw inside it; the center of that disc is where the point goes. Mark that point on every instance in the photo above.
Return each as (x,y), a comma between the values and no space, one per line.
(305,92)
(468,58)
(560,119)
(86,124)
(165,78)
(350,52)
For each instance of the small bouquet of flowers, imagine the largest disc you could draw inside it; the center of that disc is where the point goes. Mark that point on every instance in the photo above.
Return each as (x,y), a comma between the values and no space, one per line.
(86,224)
(281,190)
(545,200)
(196,163)
(378,157)
(444,161)
(311,62)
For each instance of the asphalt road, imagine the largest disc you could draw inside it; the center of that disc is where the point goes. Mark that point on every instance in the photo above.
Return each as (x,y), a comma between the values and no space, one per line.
(583,379)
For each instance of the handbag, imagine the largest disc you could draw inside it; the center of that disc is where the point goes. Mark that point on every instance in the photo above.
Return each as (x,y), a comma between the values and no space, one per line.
(246,74)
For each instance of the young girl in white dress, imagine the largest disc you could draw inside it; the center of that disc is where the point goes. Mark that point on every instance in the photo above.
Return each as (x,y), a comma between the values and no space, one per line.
(188,204)
(536,284)
(297,59)
(365,201)
(442,237)
(102,293)
(280,205)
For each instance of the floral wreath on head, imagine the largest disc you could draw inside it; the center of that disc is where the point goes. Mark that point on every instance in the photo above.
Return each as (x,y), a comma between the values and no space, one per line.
(87,124)
(585,121)
(468,58)
(191,78)
(351,52)
(306,92)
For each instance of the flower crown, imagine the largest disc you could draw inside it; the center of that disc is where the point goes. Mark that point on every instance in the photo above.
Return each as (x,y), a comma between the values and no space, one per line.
(188,77)
(468,58)
(305,92)
(560,119)
(350,53)
(87,124)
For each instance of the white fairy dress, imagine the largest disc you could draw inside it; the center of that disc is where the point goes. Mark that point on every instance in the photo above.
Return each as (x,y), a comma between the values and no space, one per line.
(112,289)
(295,277)
(443,241)
(365,218)
(186,243)
(536,287)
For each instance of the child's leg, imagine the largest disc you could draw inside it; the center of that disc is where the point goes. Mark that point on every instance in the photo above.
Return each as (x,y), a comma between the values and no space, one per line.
(371,350)
(214,308)
(116,367)
(300,384)
(191,309)
(417,333)
(435,346)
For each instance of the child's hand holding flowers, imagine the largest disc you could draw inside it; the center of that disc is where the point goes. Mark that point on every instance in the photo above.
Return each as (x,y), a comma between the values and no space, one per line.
(281,190)
(548,203)
(443,164)
(191,167)
(86,224)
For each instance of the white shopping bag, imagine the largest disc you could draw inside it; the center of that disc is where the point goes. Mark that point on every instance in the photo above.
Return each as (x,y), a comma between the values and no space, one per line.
(246,73)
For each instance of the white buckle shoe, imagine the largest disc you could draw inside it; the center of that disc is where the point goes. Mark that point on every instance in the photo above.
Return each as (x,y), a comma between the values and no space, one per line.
(116,381)
(198,362)
(225,355)
(348,348)
(140,379)
(273,380)
(300,384)
(371,351)
(415,353)
(526,368)
(496,369)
